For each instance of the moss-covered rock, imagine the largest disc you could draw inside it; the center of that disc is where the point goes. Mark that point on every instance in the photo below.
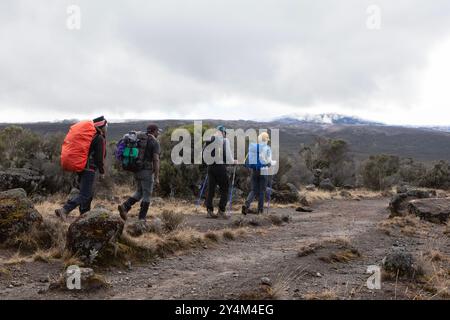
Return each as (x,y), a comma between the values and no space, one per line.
(93,232)
(26,179)
(17,214)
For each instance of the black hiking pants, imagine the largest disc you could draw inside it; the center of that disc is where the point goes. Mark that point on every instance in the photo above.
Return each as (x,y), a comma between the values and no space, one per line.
(84,198)
(217,176)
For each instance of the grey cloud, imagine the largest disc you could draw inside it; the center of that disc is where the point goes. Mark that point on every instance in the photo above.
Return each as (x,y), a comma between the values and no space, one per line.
(170,56)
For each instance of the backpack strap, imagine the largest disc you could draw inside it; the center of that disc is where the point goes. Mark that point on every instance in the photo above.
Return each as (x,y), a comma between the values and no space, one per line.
(224,151)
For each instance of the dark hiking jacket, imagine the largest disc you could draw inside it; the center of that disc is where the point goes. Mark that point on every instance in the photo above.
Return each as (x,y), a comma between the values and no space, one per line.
(97,154)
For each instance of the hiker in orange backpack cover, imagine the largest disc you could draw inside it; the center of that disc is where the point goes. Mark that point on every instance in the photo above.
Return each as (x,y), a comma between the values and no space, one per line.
(94,163)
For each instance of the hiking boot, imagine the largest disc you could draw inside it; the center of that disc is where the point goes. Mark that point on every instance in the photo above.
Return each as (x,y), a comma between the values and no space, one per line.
(143,211)
(61,213)
(210,214)
(244,210)
(125,207)
(123,212)
(222,214)
(260,211)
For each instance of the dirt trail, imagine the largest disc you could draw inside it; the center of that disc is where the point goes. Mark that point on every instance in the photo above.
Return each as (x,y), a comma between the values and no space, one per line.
(230,269)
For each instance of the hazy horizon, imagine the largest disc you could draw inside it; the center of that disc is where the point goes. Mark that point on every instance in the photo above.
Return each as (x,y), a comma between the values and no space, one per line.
(219,119)
(225,60)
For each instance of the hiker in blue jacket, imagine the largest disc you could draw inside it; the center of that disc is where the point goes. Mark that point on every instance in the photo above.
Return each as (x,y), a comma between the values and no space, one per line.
(259,160)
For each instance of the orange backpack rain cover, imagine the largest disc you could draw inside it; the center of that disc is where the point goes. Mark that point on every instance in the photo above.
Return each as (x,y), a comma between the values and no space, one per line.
(75,148)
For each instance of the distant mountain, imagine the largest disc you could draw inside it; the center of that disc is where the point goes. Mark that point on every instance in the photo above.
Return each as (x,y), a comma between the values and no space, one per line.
(365,138)
(324,118)
(440,128)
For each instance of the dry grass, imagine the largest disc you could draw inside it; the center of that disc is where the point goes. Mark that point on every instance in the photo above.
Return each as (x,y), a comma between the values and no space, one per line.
(344,253)
(46,255)
(50,235)
(228,234)
(171,220)
(328,294)
(342,256)
(285,279)
(307,250)
(437,272)
(47,208)
(447,231)
(212,236)
(71,260)
(435,255)
(262,293)
(5,273)
(320,195)
(16,258)
(150,246)
(409,225)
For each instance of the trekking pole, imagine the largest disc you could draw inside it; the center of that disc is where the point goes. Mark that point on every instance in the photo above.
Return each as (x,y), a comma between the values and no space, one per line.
(231,190)
(270,193)
(202,190)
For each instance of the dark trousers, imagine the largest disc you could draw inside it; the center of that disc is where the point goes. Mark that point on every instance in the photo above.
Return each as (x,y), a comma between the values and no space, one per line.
(144,184)
(258,185)
(84,198)
(217,176)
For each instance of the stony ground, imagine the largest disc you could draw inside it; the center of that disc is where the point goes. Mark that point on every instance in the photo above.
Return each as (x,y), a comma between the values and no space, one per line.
(234,269)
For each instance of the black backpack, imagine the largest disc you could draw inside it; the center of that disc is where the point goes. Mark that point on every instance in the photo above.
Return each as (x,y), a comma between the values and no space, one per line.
(221,149)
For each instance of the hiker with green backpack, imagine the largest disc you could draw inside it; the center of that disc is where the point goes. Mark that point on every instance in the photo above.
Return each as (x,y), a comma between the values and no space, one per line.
(139,153)
(259,159)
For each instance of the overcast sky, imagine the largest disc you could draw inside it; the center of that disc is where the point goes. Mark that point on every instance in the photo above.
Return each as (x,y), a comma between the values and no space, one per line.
(229,59)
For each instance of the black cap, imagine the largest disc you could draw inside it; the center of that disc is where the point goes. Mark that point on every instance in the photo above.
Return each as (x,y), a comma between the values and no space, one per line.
(100,122)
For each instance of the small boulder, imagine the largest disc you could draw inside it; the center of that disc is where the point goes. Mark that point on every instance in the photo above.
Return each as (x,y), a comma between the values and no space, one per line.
(17,214)
(349,187)
(266,281)
(15,178)
(436,210)
(345,194)
(402,189)
(398,205)
(93,232)
(327,185)
(88,280)
(400,262)
(284,196)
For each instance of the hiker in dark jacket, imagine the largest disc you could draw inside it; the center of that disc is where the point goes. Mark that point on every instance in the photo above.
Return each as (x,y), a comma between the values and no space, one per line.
(218,175)
(86,178)
(145,178)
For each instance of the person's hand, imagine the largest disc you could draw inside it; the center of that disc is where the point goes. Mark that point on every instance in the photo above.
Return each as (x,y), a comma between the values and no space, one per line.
(156,182)
(101,177)
(236,162)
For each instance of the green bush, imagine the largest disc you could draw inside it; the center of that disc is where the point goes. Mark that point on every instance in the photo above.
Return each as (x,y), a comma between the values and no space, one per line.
(438,176)
(332,157)
(379,171)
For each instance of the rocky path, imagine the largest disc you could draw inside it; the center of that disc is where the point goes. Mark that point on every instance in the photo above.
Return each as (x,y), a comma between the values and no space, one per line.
(234,269)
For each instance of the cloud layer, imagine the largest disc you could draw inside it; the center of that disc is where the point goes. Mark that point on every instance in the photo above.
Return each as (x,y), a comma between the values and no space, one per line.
(223,59)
